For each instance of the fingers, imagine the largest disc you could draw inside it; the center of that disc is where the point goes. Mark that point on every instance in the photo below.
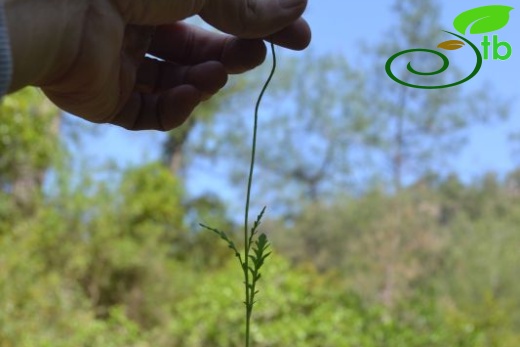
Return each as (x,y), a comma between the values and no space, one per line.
(296,36)
(167,93)
(156,76)
(252,18)
(163,111)
(196,62)
(249,19)
(157,12)
(186,44)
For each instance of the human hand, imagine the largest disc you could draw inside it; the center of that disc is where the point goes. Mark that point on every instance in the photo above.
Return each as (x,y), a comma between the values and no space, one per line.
(88,56)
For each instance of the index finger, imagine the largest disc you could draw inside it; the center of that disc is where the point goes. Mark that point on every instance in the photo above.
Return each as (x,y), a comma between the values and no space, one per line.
(158,12)
(189,45)
(296,36)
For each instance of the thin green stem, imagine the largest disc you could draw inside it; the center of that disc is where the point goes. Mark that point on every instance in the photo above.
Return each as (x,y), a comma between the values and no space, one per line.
(247,239)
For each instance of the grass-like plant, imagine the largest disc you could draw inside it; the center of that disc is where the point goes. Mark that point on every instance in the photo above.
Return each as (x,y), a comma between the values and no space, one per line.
(255,245)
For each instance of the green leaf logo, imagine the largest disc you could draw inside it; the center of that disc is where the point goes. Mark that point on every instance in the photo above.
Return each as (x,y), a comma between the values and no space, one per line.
(483,19)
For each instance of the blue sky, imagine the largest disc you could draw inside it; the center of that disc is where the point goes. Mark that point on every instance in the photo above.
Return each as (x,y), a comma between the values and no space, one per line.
(338,26)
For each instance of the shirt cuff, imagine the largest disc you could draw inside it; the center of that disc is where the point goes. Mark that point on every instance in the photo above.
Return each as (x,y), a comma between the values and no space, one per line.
(5,54)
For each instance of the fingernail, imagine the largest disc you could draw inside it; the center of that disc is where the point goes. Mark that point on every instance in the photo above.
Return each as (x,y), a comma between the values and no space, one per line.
(291,3)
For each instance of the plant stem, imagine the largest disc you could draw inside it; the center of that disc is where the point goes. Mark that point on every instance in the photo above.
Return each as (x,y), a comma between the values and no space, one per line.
(247,238)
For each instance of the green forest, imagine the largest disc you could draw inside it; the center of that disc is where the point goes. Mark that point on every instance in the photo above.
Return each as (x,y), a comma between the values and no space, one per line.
(376,242)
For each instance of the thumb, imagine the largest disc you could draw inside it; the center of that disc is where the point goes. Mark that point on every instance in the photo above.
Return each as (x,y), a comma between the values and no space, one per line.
(252,18)
(157,12)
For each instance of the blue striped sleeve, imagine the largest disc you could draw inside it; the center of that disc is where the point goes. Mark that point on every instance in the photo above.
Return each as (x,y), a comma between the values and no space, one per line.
(5,54)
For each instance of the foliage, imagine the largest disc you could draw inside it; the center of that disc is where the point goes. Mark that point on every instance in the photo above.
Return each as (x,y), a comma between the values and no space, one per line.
(120,262)
(29,145)
(331,124)
(27,123)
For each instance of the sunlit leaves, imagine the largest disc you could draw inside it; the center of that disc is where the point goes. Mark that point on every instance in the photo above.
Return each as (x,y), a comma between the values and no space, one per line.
(28,134)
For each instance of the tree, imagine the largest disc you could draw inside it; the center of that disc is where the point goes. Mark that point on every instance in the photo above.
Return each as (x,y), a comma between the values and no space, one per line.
(313,108)
(418,130)
(29,129)
(328,126)
(382,246)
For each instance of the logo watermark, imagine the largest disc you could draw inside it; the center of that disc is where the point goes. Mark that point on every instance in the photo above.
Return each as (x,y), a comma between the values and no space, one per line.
(480,20)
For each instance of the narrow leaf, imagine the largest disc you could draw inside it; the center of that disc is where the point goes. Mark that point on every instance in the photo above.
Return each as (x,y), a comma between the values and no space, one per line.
(483,19)
(266,255)
(256,224)
(262,238)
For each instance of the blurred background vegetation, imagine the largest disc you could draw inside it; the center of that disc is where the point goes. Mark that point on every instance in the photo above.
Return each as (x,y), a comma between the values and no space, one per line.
(376,241)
